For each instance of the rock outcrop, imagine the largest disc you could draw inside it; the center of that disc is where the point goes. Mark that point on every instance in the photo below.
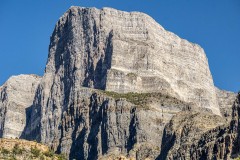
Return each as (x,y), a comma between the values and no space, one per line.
(16,98)
(201,136)
(226,100)
(127,52)
(98,122)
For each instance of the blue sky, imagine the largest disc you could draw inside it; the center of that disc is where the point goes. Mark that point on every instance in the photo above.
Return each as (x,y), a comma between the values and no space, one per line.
(26,26)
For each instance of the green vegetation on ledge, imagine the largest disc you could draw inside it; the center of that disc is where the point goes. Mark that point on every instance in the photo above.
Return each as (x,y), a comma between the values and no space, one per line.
(143,99)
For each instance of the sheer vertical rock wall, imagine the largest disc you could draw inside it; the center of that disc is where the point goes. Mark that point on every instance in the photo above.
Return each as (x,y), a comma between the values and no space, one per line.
(128,52)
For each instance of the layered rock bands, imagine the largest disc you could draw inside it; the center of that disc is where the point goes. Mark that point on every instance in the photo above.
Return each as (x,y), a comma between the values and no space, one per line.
(117,83)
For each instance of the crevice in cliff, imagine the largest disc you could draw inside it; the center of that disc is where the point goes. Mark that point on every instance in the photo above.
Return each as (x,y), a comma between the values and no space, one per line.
(33,114)
(78,139)
(89,36)
(132,130)
(28,112)
(104,134)
(96,77)
(167,143)
(95,119)
(64,34)
(86,143)
(104,65)
(3,111)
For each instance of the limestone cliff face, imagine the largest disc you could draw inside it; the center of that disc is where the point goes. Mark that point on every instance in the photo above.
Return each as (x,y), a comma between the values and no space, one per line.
(226,100)
(122,52)
(118,84)
(202,136)
(126,52)
(16,97)
(95,123)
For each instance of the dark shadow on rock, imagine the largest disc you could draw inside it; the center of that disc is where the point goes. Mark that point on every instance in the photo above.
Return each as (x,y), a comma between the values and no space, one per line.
(95,116)
(167,143)
(98,119)
(28,112)
(100,75)
(32,113)
(3,110)
(104,134)
(77,148)
(132,131)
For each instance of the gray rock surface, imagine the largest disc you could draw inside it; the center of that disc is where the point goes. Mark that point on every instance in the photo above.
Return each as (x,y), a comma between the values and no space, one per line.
(226,100)
(97,122)
(122,52)
(127,52)
(16,97)
(117,83)
(202,136)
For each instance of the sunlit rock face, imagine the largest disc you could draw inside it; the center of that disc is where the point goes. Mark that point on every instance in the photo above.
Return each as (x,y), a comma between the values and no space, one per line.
(123,52)
(199,135)
(127,52)
(225,100)
(16,98)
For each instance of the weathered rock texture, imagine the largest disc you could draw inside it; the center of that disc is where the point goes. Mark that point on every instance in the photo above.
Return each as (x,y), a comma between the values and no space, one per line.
(126,52)
(225,101)
(121,52)
(16,96)
(84,105)
(115,51)
(201,136)
(96,122)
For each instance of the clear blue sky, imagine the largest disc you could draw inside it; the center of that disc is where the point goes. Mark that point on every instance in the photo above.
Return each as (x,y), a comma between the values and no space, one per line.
(26,26)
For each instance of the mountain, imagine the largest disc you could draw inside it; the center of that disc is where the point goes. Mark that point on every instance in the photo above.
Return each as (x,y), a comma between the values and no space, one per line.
(118,84)
(128,52)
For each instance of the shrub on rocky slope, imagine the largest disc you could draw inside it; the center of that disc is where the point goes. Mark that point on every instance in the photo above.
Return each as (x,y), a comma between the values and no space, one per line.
(16,149)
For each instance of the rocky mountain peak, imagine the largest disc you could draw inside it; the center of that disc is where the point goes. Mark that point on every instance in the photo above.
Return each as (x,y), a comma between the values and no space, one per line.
(128,52)
(118,85)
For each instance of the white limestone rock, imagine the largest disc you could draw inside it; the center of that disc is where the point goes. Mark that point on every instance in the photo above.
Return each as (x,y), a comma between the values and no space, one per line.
(122,52)
(116,51)
(16,97)
(128,52)
(226,100)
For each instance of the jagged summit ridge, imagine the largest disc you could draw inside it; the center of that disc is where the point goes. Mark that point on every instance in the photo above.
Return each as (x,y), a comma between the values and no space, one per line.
(129,52)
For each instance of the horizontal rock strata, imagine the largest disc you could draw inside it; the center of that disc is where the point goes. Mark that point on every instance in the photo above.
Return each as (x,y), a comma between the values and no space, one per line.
(16,97)
(118,52)
(127,52)
(117,84)
(201,136)
(226,100)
